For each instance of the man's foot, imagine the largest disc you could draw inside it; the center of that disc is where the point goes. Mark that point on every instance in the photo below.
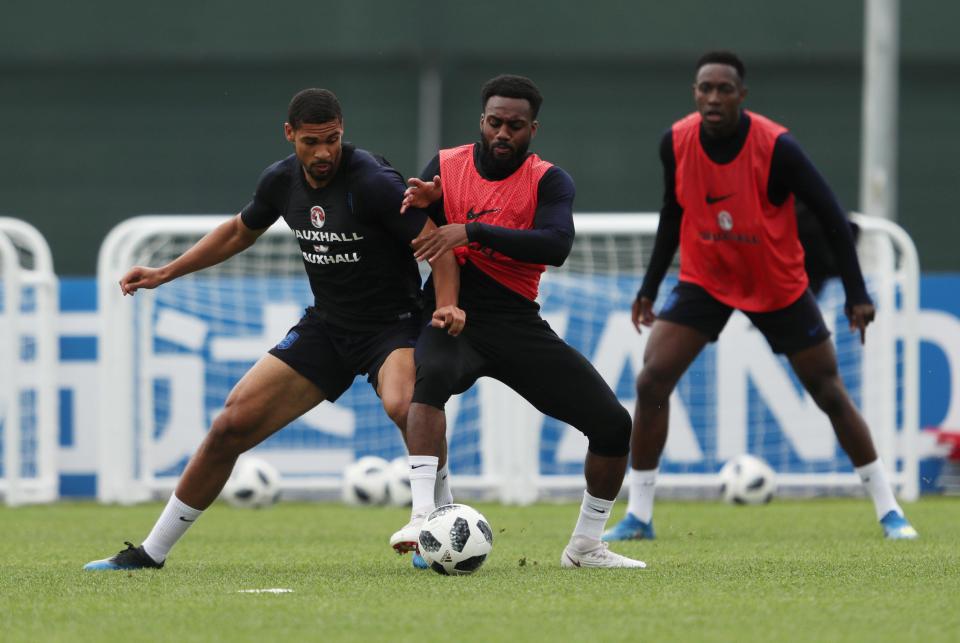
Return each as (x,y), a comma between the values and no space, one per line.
(419,562)
(586,552)
(406,539)
(129,558)
(630,528)
(896,527)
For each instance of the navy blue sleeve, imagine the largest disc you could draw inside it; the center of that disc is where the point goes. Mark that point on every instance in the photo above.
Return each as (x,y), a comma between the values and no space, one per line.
(551,238)
(434,210)
(791,171)
(377,192)
(269,198)
(668,229)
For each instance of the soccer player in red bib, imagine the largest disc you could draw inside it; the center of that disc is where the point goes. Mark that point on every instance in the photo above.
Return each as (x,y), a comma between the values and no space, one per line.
(731,177)
(342,203)
(507,213)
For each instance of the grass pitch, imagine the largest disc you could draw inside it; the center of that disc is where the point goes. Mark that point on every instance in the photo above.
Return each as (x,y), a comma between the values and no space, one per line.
(792,570)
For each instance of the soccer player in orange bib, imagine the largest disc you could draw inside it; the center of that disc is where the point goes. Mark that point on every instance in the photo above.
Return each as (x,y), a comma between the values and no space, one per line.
(731,177)
(507,213)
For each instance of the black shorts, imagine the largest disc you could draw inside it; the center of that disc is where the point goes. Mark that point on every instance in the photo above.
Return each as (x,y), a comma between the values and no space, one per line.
(788,330)
(331,356)
(524,353)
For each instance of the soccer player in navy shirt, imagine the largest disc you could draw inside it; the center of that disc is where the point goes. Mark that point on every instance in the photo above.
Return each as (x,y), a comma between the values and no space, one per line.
(342,203)
(507,213)
(731,178)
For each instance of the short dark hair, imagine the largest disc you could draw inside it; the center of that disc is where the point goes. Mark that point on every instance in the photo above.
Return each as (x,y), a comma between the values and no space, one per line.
(723,57)
(313,106)
(510,86)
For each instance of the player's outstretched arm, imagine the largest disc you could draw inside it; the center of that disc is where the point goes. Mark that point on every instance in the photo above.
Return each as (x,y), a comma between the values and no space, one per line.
(421,194)
(221,243)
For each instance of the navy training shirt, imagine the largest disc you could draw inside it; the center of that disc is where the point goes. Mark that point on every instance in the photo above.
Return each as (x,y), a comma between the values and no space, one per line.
(354,242)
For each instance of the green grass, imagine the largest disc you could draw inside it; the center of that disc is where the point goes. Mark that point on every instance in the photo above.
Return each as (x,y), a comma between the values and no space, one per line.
(801,570)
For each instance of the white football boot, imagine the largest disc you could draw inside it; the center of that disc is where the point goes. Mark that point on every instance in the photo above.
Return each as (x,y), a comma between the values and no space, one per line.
(407,539)
(586,552)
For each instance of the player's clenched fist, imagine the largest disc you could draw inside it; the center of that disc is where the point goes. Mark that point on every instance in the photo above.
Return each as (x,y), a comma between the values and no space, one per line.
(449,317)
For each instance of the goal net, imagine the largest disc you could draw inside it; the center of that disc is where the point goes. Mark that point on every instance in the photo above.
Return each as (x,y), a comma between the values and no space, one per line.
(170,357)
(28,304)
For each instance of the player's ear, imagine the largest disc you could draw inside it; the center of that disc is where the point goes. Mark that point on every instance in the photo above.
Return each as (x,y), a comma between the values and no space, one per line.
(534,126)
(288,132)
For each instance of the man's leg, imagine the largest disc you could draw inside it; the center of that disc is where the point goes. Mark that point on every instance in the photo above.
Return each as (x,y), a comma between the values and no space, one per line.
(445,366)
(817,369)
(266,399)
(561,383)
(395,382)
(670,350)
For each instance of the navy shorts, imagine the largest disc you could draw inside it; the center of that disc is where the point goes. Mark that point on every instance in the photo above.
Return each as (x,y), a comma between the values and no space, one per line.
(788,330)
(331,356)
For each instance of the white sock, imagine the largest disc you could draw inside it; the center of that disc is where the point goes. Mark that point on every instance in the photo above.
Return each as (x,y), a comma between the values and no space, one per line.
(170,527)
(441,489)
(642,488)
(594,513)
(874,478)
(423,477)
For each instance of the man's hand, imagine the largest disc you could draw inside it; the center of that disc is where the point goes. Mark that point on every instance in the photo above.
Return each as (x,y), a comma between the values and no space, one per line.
(432,244)
(860,316)
(141,277)
(421,194)
(449,317)
(642,312)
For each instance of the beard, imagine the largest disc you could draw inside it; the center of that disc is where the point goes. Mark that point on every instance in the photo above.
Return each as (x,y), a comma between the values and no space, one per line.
(501,167)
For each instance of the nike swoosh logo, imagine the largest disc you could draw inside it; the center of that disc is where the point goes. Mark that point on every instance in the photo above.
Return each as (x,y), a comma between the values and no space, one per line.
(471,215)
(185,520)
(575,563)
(417,466)
(716,199)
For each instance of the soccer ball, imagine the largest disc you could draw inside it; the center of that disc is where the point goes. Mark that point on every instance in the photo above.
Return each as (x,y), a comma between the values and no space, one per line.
(365,481)
(253,484)
(455,540)
(398,484)
(747,480)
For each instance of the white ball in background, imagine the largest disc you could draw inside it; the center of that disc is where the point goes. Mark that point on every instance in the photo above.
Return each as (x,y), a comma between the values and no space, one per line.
(254,483)
(747,480)
(365,481)
(399,482)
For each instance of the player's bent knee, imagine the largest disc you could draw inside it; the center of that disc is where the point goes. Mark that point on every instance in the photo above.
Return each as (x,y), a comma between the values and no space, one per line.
(434,385)
(652,388)
(831,399)
(231,433)
(396,408)
(610,437)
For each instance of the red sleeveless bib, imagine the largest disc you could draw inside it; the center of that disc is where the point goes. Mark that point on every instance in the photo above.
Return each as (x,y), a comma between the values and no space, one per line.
(734,243)
(510,203)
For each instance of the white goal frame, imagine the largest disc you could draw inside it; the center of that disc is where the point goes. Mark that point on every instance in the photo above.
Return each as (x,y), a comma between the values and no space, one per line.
(508,425)
(28,266)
